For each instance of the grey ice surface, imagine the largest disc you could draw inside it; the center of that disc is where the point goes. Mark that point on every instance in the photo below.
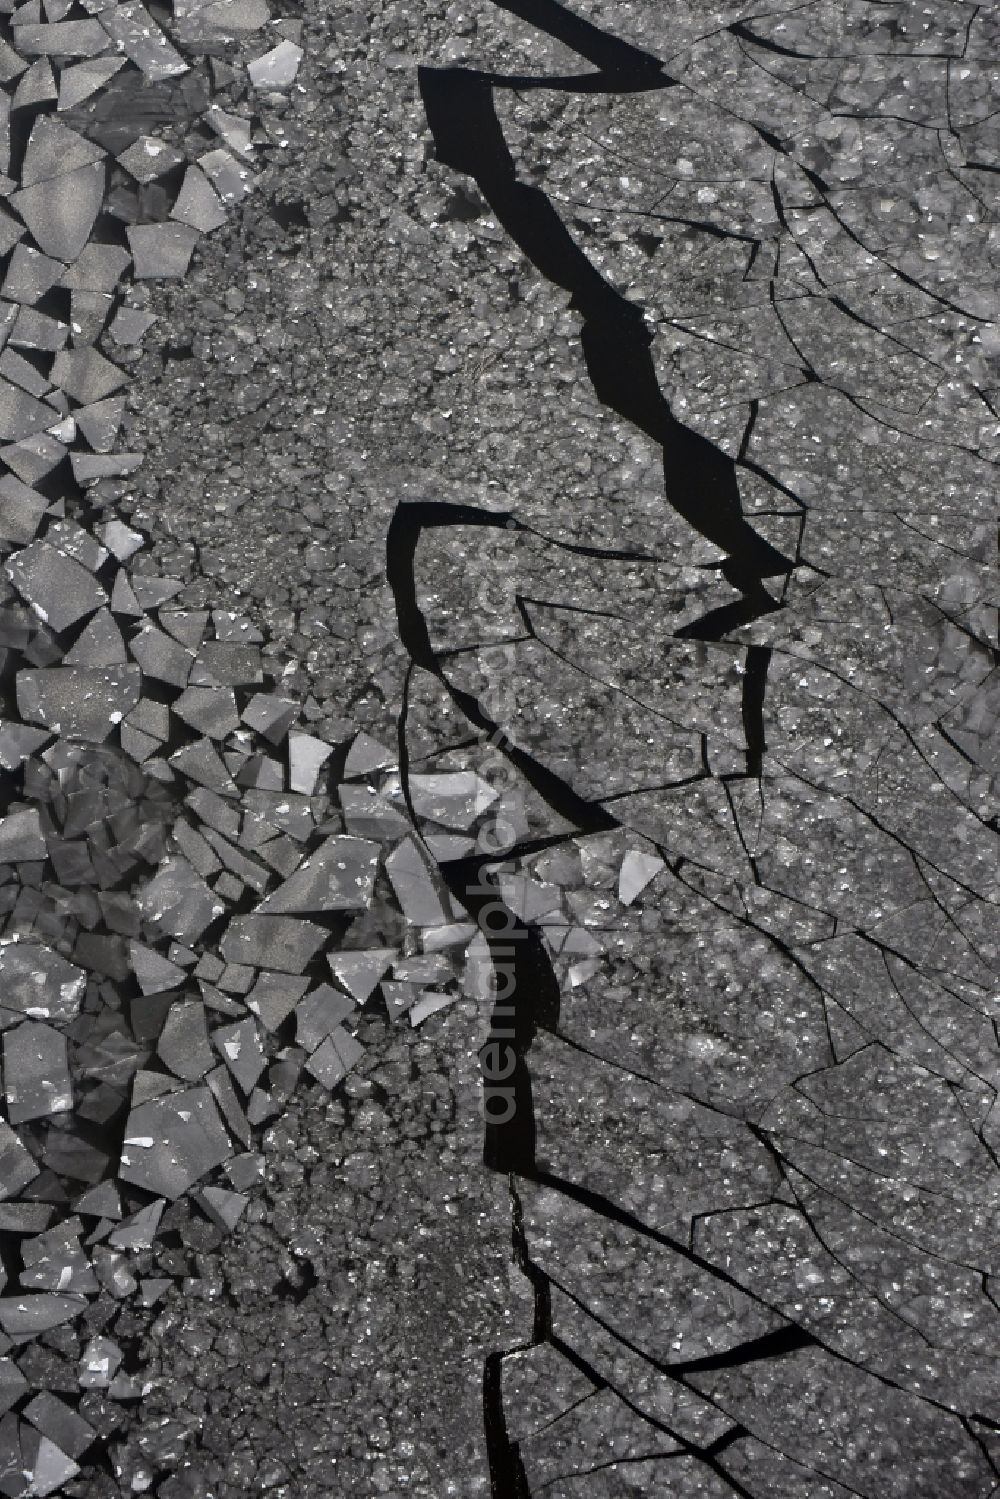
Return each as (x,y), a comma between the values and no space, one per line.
(499,592)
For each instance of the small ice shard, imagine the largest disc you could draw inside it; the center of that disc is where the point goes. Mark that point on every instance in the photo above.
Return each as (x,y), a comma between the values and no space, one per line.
(276,69)
(637,871)
(30,275)
(332,1061)
(274,997)
(306,757)
(154,973)
(270,715)
(61,211)
(178,900)
(225,1209)
(428,1004)
(21,838)
(318,1014)
(197,203)
(339,876)
(171,1142)
(134,32)
(58,589)
(149,158)
(240,1048)
(161,251)
(17,1168)
(183,1045)
(77,701)
(277,942)
(416,891)
(100,644)
(361,972)
(454,798)
(86,375)
(36,1072)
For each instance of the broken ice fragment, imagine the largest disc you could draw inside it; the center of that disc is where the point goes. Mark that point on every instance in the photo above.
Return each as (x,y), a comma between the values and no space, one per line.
(52,1467)
(101,1360)
(339,876)
(171,1142)
(225,1209)
(240,1048)
(637,871)
(428,968)
(271,716)
(399,996)
(228,663)
(61,39)
(134,32)
(306,757)
(83,79)
(119,539)
(21,837)
(36,1072)
(17,1168)
(18,743)
(332,1061)
(161,657)
(154,972)
(428,1004)
(54,149)
(21,415)
(318,1014)
(198,203)
(30,274)
(99,268)
(21,510)
(37,86)
(12,1384)
(86,375)
(148,158)
(152,590)
(77,701)
(55,1261)
(183,1045)
(58,589)
(123,600)
(245,1171)
(233,129)
(27,1316)
(277,942)
(229,1106)
(179,901)
(456,934)
(100,644)
(199,762)
(368,814)
(39,982)
(360,972)
(139,1231)
(61,211)
(161,251)
(60,1423)
(276,69)
(213,810)
(89,468)
(204,18)
(415,889)
(274,996)
(210,711)
(454,798)
(101,1201)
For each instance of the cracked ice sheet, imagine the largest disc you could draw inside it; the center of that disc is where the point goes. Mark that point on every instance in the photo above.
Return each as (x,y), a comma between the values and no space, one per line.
(771,651)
